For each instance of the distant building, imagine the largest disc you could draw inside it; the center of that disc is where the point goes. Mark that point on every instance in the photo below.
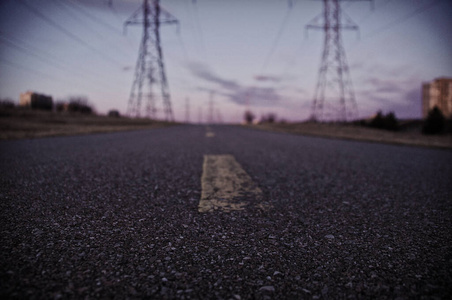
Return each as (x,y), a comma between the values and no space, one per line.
(437,93)
(36,101)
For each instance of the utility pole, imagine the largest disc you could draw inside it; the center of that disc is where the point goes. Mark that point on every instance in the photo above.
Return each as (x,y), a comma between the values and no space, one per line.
(219,116)
(187,110)
(210,117)
(334,83)
(200,115)
(150,69)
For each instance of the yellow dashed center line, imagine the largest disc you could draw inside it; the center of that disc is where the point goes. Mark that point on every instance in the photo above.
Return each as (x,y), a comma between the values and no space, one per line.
(224,185)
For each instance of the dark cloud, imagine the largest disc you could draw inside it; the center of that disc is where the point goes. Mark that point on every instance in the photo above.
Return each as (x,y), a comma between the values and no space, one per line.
(258,96)
(356,66)
(216,91)
(232,90)
(203,72)
(405,104)
(379,85)
(302,92)
(265,78)
(400,95)
(209,90)
(409,105)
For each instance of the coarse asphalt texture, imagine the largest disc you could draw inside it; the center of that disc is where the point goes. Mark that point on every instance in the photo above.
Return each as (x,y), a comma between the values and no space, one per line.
(116,216)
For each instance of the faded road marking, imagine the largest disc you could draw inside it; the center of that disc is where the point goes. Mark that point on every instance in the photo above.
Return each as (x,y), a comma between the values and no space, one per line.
(226,186)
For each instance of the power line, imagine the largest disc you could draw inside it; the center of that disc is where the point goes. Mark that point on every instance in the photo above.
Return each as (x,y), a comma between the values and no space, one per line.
(50,59)
(198,25)
(34,71)
(334,82)
(30,70)
(150,68)
(119,18)
(404,18)
(67,9)
(92,17)
(366,17)
(18,66)
(291,4)
(31,47)
(68,33)
(184,49)
(278,35)
(291,63)
(76,17)
(29,52)
(114,11)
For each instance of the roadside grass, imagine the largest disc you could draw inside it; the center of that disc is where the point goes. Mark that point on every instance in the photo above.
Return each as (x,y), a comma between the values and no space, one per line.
(20,124)
(360,133)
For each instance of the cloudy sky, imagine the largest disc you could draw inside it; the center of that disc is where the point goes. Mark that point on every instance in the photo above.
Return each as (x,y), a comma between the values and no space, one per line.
(252,54)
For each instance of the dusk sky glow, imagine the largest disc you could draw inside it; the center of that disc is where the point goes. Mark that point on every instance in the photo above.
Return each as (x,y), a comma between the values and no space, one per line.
(234,48)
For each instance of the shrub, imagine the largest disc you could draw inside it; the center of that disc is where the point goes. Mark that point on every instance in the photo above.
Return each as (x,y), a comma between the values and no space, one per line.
(249,117)
(114,113)
(390,122)
(61,106)
(42,102)
(387,122)
(269,118)
(434,123)
(448,125)
(312,119)
(377,121)
(80,105)
(7,104)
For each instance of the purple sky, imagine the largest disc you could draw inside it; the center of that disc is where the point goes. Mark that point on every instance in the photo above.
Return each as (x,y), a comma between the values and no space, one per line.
(253,53)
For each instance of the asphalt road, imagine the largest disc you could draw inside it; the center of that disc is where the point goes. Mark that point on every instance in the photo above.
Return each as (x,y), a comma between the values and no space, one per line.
(116,216)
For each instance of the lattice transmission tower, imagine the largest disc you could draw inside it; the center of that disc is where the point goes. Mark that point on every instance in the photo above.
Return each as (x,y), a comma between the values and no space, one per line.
(187,110)
(210,116)
(150,68)
(334,97)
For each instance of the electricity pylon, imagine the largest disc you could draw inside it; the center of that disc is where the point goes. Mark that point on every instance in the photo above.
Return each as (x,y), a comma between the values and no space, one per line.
(210,116)
(334,83)
(219,116)
(150,69)
(187,110)
(200,115)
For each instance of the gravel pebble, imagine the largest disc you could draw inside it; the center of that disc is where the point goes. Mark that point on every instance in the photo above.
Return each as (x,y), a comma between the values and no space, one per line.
(81,218)
(267,288)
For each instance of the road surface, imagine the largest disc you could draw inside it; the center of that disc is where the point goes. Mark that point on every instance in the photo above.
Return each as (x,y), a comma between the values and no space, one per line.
(223,212)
